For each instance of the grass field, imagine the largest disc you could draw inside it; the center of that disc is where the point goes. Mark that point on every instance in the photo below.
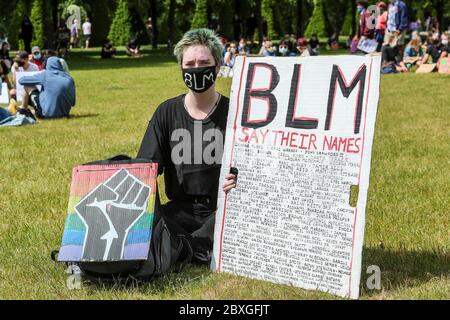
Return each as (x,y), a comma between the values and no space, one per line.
(407,229)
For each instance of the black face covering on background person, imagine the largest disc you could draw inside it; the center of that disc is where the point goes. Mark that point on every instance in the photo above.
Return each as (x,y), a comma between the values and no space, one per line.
(199,79)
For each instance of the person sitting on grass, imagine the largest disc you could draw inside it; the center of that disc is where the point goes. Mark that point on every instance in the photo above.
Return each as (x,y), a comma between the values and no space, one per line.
(57,95)
(37,58)
(304,49)
(283,49)
(437,50)
(314,43)
(267,49)
(21,64)
(390,57)
(133,47)
(108,50)
(413,52)
(192,182)
(230,55)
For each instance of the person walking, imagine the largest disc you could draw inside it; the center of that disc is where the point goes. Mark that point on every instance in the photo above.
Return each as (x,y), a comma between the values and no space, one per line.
(87,33)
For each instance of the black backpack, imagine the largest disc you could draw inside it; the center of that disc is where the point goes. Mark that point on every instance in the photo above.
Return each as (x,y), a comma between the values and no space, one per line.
(167,251)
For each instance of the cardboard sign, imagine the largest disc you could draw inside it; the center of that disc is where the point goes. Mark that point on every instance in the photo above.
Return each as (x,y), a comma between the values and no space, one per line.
(444,66)
(300,132)
(19,88)
(368,45)
(110,213)
(426,68)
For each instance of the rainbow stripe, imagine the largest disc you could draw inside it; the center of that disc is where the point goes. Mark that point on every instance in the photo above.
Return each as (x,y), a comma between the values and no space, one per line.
(84,180)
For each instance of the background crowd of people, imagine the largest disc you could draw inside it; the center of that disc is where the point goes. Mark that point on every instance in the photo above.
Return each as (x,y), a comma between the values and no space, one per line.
(405,44)
(402,43)
(391,28)
(48,91)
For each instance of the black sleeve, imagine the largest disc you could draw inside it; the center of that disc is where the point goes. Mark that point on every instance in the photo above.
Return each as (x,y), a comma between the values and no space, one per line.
(155,145)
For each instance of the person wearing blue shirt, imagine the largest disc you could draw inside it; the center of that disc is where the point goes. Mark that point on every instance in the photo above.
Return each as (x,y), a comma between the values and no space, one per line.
(57,94)
(283,49)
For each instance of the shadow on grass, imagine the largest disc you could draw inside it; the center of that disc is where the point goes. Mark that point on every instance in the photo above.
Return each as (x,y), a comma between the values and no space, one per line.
(85,115)
(168,284)
(70,117)
(399,270)
(403,268)
(90,60)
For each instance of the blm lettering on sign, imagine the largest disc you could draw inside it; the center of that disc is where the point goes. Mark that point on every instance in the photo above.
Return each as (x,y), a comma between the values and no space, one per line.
(300,132)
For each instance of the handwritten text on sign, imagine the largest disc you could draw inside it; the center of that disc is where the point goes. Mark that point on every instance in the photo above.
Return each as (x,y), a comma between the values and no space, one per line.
(301,135)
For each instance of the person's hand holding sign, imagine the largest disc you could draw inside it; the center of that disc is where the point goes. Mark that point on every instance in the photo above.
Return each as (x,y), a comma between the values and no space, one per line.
(230,180)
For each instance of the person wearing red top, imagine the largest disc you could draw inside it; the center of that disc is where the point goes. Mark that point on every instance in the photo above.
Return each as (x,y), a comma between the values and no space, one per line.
(37,58)
(366,20)
(380,29)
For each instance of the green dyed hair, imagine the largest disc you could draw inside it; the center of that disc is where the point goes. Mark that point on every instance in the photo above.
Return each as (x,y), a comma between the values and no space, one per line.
(202,36)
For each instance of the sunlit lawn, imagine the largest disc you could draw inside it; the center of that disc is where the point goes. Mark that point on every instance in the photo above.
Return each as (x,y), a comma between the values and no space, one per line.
(407,229)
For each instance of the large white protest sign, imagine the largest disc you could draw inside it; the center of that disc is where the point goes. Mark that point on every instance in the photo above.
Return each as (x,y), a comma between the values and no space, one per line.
(19,88)
(300,133)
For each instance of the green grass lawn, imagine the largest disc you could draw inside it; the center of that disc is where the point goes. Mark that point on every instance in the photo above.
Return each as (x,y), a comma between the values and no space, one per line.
(407,229)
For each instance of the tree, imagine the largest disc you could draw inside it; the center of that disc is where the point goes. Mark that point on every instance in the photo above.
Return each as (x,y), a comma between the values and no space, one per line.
(171,25)
(37,18)
(154,16)
(259,21)
(200,19)
(121,28)
(299,18)
(225,18)
(14,25)
(267,13)
(317,23)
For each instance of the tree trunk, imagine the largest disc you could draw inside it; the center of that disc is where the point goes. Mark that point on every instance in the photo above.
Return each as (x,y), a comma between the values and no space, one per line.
(340,6)
(49,31)
(171,25)
(299,30)
(440,14)
(154,16)
(237,21)
(260,22)
(53,24)
(353,18)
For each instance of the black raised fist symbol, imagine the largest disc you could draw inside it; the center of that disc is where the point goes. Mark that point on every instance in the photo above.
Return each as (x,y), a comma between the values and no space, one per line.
(109,211)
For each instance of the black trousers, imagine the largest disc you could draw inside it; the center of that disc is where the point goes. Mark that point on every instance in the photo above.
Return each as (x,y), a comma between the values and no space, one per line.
(195,221)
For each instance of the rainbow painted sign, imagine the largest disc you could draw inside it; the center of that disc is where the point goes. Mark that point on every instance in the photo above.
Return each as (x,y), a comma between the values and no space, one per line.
(110,213)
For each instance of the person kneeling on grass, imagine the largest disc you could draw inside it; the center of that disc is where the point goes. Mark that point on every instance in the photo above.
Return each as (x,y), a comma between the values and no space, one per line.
(57,95)
(390,57)
(192,168)
(133,47)
(437,49)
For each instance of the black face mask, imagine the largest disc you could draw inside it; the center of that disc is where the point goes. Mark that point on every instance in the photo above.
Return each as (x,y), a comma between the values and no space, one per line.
(199,79)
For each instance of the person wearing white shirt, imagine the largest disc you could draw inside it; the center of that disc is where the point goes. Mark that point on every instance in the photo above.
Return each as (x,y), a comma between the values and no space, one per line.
(87,32)
(21,64)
